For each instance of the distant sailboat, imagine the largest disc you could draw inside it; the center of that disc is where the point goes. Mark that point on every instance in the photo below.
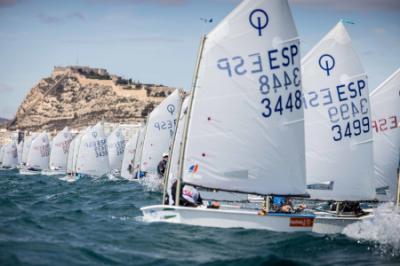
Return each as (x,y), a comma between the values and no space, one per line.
(138,152)
(173,161)
(339,152)
(20,148)
(73,155)
(129,155)
(10,156)
(385,107)
(27,146)
(116,148)
(70,156)
(244,130)
(38,157)
(92,159)
(59,153)
(159,134)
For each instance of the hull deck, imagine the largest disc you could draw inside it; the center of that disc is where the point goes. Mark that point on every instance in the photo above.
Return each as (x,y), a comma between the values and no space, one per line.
(228,218)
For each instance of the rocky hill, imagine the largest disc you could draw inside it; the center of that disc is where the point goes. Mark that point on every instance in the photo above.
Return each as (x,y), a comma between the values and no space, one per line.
(77,96)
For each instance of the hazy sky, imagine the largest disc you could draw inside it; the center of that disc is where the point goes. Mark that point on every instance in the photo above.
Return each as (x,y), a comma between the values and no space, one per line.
(156,41)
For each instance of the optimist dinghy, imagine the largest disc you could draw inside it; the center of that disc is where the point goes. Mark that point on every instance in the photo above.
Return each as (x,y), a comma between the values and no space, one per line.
(138,152)
(385,107)
(59,153)
(72,156)
(116,148)
(159,134)
(20,148)
(25,150)
(92,154)
(244,128)
(38,157)
(10,156)
(129,155)
(339,152)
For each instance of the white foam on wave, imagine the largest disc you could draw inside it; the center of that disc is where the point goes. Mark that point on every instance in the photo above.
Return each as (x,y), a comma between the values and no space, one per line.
(112,177)
(152,183)
(68,178)
(383,229)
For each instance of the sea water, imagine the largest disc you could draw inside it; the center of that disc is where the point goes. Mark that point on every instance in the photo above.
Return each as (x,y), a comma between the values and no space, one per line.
(48,221)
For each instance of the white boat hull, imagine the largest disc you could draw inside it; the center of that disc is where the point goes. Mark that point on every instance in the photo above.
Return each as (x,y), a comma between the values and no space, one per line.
(2,168)
(332,224)
(228,218)
(53,172)
(28,172)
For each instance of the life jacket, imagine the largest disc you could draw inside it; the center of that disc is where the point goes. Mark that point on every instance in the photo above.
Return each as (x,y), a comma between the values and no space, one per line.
(191,194)
(278,201)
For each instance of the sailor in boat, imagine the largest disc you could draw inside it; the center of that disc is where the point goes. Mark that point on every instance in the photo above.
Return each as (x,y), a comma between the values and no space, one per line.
(162,165)
(347,208)
(130,167)
(285,205)
(190,197)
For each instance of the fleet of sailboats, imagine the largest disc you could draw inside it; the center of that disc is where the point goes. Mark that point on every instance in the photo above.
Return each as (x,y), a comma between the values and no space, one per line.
(260,124)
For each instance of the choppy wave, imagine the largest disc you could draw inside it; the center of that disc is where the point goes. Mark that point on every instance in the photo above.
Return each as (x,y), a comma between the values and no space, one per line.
(47,221)
(383,229)
(152,183)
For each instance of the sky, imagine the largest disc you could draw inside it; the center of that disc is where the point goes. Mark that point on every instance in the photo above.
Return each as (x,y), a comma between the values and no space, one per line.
(156,41)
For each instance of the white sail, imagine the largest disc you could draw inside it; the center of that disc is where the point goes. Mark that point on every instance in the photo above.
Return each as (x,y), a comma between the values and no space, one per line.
(10,156)
(70,156)
(176,149)
(160,132)
(385,107)
(39,153)
(129,154)
(59,150)
(116,147)
(339,155)
(27,147)
(246,129)
(20,148)
(92,156)
(138,151)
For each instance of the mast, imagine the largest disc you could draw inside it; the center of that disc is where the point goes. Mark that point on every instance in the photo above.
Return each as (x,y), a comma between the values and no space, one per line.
(187,120)
(166,174)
